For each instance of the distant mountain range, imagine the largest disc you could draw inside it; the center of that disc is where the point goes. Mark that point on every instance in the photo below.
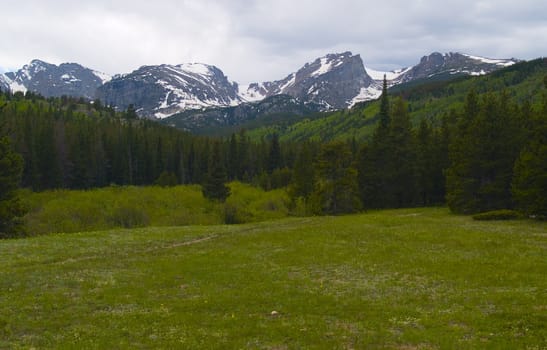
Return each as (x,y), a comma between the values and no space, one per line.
(332,82)
(49,80)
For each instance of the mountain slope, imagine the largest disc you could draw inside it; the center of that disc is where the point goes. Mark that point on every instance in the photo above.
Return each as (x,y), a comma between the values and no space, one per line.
(427,99)
(223,121)
(452,63)
(4,82)
(332,82)
(164,90)
(49,80)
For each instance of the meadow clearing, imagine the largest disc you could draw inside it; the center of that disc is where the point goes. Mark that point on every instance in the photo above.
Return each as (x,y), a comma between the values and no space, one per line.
(395,279)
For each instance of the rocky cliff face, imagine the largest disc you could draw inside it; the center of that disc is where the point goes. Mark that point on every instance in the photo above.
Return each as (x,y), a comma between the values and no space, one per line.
(452,63)
(49,80)
(161,91)
(331,82)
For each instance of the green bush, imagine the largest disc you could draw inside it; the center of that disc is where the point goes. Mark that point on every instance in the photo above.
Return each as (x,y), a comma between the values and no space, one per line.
(252,204)
(167,179)
(130,206)
(504,214)
(129,217)
(233,214)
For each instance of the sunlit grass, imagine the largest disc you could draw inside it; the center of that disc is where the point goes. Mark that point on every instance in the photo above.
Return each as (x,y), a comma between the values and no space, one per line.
(400,279)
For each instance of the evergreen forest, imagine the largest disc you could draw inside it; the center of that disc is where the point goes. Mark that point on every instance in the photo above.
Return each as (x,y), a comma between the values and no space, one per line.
(484,152)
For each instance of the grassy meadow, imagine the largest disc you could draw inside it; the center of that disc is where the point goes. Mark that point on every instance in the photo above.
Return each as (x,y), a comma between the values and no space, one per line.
(397,279)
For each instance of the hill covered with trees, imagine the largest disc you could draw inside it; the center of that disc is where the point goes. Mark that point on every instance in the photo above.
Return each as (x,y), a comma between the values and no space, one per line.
(476,144)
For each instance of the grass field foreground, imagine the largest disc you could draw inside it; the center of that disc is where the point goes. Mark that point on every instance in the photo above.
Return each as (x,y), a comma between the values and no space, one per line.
(398,279)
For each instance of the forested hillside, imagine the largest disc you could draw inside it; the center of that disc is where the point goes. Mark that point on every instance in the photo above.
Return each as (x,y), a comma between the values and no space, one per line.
(448,143)
(70,143)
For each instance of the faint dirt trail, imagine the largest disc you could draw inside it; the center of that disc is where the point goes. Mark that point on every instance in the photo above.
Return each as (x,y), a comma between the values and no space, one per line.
(185,243)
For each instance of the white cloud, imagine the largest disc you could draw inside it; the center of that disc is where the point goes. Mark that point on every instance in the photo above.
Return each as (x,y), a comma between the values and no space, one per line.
(256,40)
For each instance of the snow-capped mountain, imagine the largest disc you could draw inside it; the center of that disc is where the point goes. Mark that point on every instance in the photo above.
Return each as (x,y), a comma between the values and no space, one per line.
(334,81)
(341,80)
(50,80)
(164,90)
(448,64)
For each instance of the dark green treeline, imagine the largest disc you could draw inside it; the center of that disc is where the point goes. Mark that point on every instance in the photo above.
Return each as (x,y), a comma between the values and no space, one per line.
(68,143)
(489,155)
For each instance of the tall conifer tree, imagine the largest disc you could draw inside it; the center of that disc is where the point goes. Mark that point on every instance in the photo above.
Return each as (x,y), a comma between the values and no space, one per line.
(336,190)
(399,173)
(214,187)
(529,185)
(373,164)
(11,168)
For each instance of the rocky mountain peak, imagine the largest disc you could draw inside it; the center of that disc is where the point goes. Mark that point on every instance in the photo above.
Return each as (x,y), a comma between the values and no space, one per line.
(453,63)
(332,81)
(163,90)
(50,80)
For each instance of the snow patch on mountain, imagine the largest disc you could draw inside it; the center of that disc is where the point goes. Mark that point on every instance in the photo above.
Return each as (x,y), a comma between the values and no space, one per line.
(325,67)
(8,84)
(105,78)
(291,80)
(499,62)
(196,68)
(17,87)
(366,94)
(4,82)
(390,75)
(251,92)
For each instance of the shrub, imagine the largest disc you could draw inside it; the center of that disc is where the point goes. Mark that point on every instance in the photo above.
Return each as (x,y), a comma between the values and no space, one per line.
(129,206)
(233,214)
(503,214)
(167,179)
(128,217)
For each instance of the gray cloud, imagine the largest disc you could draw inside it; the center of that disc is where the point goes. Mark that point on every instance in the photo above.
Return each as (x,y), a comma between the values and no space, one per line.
(256,40)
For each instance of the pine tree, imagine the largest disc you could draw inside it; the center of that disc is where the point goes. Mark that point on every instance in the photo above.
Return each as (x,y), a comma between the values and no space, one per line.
(233,158)
(303,175)
(214,187)
(440,162)
(529,185)
(11,168)
(131,113)
(424,163)
(384,111)
(274,155)
(400,175)
(336,190)
(243,162)
(374,160)
(460,185)
(482,155)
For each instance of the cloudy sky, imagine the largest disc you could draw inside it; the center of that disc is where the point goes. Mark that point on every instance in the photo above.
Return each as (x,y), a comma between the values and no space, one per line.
(261,40)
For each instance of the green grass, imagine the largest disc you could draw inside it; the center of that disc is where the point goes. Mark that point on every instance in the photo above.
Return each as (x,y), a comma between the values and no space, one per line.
(398,279)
